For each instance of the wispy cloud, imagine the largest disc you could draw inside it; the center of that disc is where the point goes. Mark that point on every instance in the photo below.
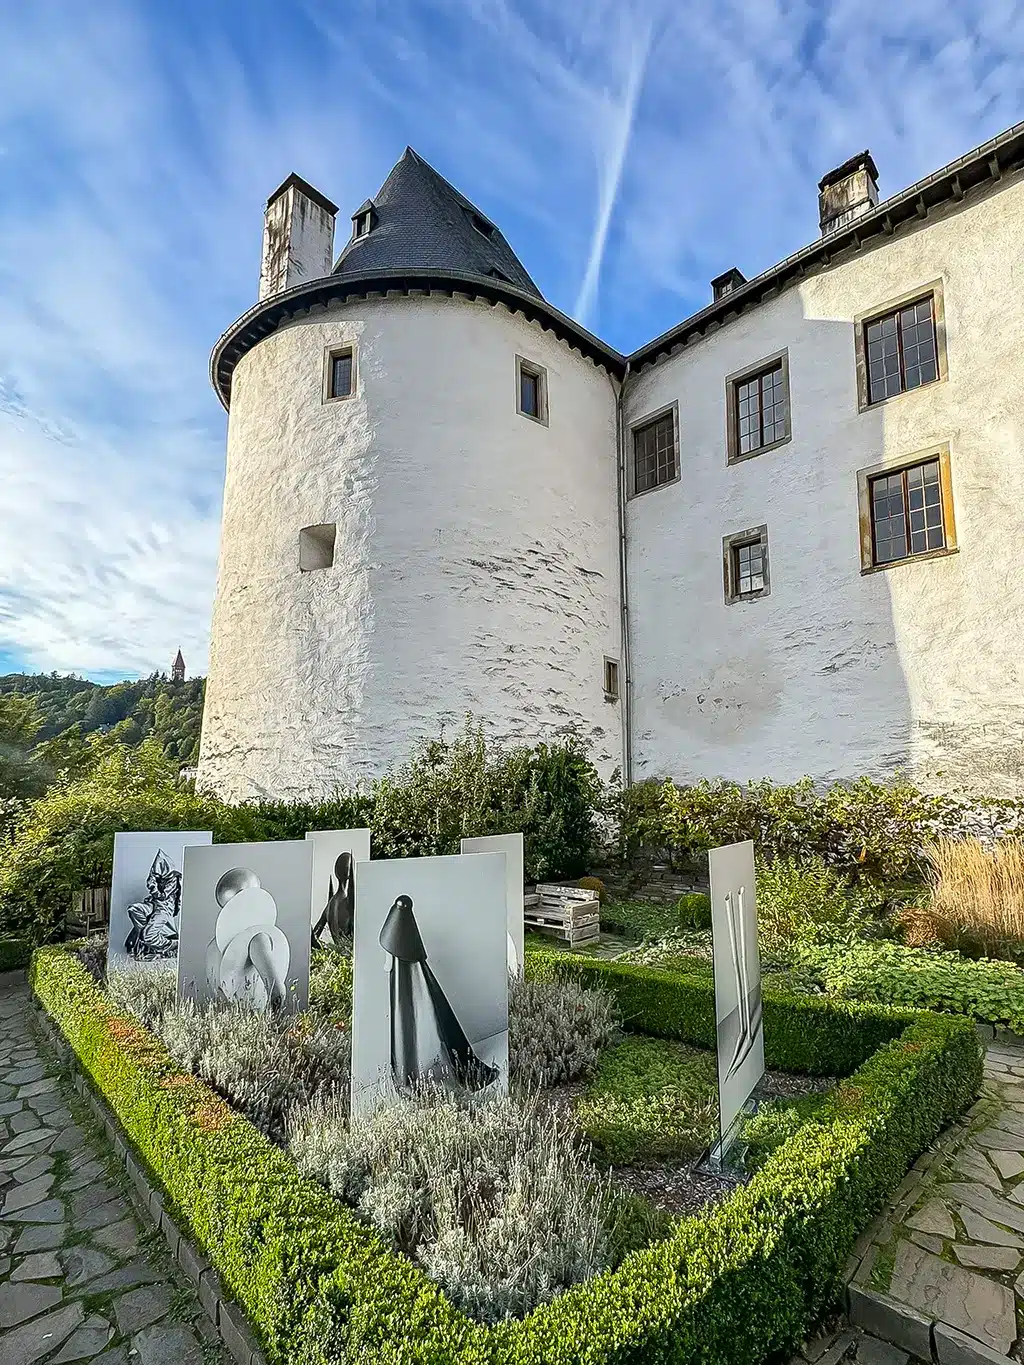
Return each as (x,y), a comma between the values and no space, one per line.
(630,149)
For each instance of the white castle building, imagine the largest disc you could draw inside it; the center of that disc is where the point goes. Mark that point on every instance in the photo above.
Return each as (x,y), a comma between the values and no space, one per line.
(785,537)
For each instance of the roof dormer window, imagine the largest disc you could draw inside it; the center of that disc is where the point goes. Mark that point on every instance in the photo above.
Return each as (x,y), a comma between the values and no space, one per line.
(364,220)
(482,226)
(497,274)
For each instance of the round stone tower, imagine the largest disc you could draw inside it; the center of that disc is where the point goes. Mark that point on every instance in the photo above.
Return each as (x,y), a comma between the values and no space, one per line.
(420,506)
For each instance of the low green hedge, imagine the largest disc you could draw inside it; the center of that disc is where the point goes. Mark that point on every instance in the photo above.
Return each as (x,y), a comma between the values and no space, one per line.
(812,1034)
(15,953)
(729,1287)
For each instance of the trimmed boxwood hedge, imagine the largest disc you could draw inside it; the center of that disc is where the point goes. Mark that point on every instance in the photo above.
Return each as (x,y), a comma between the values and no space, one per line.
(729,1287)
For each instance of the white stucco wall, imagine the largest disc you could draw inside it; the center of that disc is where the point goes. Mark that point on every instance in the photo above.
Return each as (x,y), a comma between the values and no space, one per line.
(298,240)
(476,559)
(836,673)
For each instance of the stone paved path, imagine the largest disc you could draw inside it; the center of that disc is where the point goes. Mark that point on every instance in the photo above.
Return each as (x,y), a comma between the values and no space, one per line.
(81,1277)
(949,1255)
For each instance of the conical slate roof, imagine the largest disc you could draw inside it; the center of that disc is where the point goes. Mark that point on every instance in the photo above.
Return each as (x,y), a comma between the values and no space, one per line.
(421,222)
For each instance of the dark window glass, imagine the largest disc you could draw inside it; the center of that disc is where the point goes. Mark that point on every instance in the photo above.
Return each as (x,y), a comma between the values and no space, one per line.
(341,374)
(906,513)
(762,409)
(529,393)
(748,568)
(654,453)
(900,350)
(363,223)
(611,678)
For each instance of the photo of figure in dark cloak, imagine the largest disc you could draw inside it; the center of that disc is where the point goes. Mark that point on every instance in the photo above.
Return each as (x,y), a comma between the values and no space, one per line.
(334,926)
(427,1040)
(154,919)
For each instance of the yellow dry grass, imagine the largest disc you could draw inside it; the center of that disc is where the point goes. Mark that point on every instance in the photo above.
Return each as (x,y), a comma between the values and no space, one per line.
(977,893)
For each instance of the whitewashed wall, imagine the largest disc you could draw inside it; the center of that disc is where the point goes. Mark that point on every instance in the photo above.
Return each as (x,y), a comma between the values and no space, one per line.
(476,561)
(838,673)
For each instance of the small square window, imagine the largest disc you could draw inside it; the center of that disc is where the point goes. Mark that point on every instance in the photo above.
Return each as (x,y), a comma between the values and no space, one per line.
(531,390)
(655,452)
(316,547)
(757,408)
(611,679)
(745,565)
(340,373)
(906,512)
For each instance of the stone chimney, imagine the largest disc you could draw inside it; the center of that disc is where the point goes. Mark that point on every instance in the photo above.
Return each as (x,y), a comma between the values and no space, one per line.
(725,284)
(298,237)
(847,193)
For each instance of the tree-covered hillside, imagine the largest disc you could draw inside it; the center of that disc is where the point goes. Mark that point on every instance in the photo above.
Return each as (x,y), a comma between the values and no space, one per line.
(62,713)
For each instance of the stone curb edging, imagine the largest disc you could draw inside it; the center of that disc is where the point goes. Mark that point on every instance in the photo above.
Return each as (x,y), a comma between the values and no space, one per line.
(227,1317)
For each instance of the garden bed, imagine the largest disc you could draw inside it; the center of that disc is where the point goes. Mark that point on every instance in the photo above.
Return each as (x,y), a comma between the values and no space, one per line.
(738,1282)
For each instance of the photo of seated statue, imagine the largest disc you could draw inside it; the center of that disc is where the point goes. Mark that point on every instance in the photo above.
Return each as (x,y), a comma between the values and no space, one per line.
(154,919)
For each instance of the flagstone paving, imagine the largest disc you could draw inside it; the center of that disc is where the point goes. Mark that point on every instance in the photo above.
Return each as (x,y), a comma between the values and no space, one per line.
(81,1277)
(946,1263)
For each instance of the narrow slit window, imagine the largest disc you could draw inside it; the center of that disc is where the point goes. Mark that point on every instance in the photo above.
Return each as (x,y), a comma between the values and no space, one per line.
(531,390)
(316,547)
(341,374)
(611,679)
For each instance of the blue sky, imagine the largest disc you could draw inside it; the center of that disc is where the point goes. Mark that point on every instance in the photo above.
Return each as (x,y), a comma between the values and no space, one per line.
(630,150)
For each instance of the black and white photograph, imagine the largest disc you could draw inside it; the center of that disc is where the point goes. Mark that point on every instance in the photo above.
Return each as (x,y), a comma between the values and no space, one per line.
(335,855)
(145,896)
(245,925)
(511,845)
(737,963)
(430,977)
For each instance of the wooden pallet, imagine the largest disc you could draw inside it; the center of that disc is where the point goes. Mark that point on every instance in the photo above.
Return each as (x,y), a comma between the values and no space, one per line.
(90,911)
(570,913)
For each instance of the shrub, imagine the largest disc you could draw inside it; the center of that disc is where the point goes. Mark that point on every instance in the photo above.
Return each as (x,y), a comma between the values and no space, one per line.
(919,978)
(805,901)
(651,1098)
(556,1031)
(492,1198)
(92,953)
(264,1064)
(330,982)
(869,830)
(594,884)
(693,911)
(15,954)
(736,1286)
(65,840)
(977,897)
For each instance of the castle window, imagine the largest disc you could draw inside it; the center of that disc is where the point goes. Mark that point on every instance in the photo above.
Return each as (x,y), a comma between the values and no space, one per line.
(900,346)
(481,224)
(757,406)
(339,372)
(655,451)
(531,390)
(745,565)
(316,547)
(364,221)
(906,511)
(611,679)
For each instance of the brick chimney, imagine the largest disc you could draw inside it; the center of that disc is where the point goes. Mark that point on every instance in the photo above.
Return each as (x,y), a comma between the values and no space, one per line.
(848,192)
(725,284)
(298,237)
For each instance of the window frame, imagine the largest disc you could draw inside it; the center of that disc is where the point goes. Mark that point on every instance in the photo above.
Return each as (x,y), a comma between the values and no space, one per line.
(731,544)
(865,478)
(540,374)
(934,288)
(733,383)
(648,419)
(332,353)
(611,694)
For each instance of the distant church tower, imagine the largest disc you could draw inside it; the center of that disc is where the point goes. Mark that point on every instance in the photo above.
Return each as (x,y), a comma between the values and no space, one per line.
(420,513)
(178,669)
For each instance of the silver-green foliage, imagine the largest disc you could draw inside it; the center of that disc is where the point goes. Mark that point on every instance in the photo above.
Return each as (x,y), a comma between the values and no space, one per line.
(557,1031)
(262,1063)
(493,1197)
